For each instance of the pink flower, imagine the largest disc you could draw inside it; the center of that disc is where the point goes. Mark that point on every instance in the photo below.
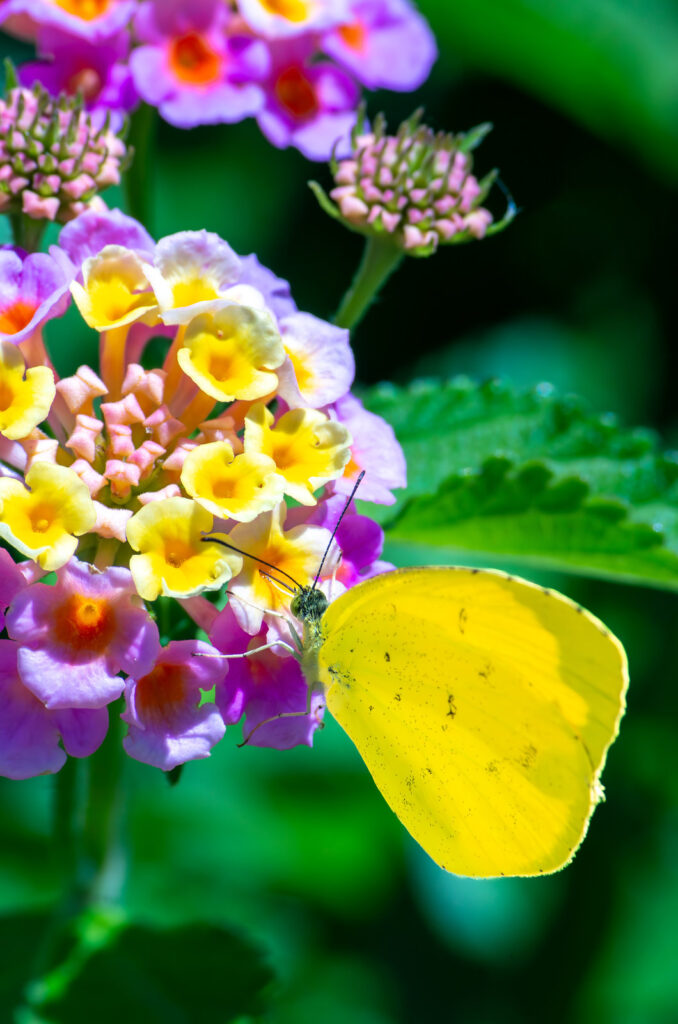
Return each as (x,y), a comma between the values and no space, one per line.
(387,45)
(33,289)
(79,634)
(11,582)
(30,734)
(192,67)
(89,233)
(168,725)
(92,21)
(360,539)
(309,105)
(97,70)
(266,686)
(374,449)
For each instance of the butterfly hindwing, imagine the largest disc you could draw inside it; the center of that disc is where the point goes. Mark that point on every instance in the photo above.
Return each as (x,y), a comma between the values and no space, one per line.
(483,707)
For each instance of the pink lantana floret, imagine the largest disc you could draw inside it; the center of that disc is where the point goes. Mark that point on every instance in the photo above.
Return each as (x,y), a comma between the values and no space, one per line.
(97,70)
(386,44)
(374,449)
(168,725)
(33,289)
(266,686)
(196,64)
(309,105)
(320,367)
(78,635)
(113,16)
(31,736)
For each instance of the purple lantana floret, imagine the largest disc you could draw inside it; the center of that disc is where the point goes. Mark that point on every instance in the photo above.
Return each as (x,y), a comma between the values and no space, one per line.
(195,64)
(266,686)
(320,367)
(168,724)
(31,735)
(113,16)
(309,105)
(387,45)
(98,71)
(33,289)
(374,449)
(89,233)
(79,634)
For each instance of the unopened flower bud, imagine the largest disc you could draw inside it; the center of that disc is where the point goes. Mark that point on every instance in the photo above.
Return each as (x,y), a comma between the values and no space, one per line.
(416,188)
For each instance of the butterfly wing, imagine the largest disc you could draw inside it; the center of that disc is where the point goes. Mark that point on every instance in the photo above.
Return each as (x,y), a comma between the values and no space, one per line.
(482,705)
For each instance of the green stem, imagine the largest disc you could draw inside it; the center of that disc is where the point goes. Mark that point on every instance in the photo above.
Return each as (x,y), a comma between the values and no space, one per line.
(87,822)
(27,232)
(380,259)
(139,183)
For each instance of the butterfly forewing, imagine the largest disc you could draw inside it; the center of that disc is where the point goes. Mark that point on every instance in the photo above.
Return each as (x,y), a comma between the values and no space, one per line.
(483,707)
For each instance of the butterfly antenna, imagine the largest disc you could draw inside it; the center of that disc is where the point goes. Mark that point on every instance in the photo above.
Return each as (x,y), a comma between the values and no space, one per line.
(336,527)
(278,583)
(255,558)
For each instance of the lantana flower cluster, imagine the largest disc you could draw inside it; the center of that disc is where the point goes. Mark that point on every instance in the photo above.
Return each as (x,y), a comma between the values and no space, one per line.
(118,482)
(415,189)
(297,66)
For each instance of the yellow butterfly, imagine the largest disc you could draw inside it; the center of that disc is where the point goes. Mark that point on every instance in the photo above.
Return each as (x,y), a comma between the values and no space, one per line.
(482,705)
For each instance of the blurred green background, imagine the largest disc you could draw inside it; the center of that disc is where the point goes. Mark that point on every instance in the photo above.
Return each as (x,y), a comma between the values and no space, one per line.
(297,849)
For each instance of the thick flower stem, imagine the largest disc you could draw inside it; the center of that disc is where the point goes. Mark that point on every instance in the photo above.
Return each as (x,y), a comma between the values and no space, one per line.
(380,259)
(27,231)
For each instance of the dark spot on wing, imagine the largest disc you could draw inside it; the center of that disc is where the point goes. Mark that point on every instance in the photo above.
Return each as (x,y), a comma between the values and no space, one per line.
(463,619)
(474,572)
(546,590)
(387,656)
(397,696)
(528,756)
(410,782)
(491,766)
(451,706)
(487,671)
(371,707)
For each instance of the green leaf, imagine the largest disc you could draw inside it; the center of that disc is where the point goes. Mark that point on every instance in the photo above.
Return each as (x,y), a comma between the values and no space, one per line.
(533,477)
(200,974)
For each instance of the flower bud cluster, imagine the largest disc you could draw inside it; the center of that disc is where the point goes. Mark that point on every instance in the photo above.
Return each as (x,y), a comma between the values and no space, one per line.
(415,187)
(53,160)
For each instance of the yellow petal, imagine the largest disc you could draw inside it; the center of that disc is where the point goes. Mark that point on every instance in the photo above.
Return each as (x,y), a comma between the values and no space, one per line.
(233,487)
(173,559)
(308,448)
(230,354)
(44,518)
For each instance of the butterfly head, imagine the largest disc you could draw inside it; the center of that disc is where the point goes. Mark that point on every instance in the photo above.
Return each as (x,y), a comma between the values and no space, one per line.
(309,604)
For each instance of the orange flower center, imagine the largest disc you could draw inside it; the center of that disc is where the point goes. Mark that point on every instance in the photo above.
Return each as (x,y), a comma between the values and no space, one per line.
(193,61)
(162,693)
(87,82)
(6,396)
(354,36)
(293,10)
(15,317)
(88,10)
(296,94)
(82,621)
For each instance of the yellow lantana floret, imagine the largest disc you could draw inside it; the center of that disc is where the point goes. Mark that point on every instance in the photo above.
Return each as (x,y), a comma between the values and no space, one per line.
(230,354)
(44,519)
(115,289)
(296,555)
(173,559)
(308,448)
(231,486)
(25,395)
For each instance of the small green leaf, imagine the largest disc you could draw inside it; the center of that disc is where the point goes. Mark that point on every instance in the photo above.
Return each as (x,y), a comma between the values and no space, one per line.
(531,476)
